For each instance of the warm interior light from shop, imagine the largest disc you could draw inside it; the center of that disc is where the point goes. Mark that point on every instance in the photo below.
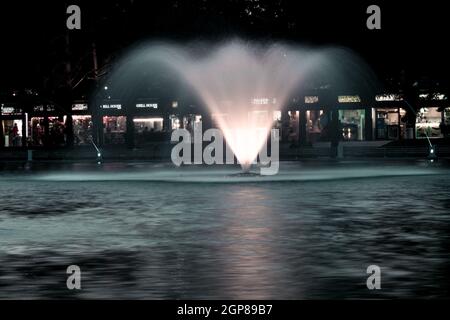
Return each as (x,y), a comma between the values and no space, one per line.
(148,119)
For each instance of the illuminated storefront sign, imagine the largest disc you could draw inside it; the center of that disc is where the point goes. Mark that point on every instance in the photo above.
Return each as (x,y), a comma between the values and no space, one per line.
(349,99)
(42,108)
(388,97)
(9,110)
(432,96)
(260,101)
(79,107)
(311,99)
(264,101)
(147,105)
(111,106)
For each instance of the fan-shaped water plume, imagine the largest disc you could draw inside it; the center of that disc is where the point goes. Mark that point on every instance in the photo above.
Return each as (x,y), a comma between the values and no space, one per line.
(241,83)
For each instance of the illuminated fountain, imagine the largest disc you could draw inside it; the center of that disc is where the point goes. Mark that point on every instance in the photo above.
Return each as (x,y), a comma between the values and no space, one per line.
(238,80)
(235,81)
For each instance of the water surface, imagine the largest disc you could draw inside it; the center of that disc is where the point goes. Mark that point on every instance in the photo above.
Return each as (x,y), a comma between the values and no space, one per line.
(154,231)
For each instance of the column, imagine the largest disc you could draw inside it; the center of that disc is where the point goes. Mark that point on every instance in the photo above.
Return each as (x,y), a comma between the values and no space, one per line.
(302,127)
(284,125)
(334,132)
(24,129)
(2,137)
(129,137)
(46,131)
(368,124)
(69,131)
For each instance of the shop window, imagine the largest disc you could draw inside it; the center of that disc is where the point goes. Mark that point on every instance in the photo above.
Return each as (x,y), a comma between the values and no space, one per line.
(175,122)
(403,131)
(142,125)
(147,129)
(447,116)
(82,130)
(352,124)
(387,124)
(277,119)
(293,129)
(428,123)
(114,129)
(12,133)
(56,131)
(36,131)
(317,126)
(191,122)
(445,128)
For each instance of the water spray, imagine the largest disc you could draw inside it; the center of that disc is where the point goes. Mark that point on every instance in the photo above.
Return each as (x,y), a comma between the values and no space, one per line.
(432,151)
(99,154)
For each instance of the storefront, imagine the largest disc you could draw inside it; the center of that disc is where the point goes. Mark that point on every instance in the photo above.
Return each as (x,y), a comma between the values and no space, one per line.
(148,121)
(175,122)
(147,129)
(352,124)
(428,123)
(293,129)
(114,123)
(192,121)
(148,125)
(353,119)
(46,126)
(276,117)
(82,124)
(36,131)
(387,123)
(317,120)
(445,129)
(317,125)
(433,116)
(114,129)
(11,126)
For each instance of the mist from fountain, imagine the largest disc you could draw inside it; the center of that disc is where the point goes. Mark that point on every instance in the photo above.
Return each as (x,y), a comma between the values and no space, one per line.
(241,83)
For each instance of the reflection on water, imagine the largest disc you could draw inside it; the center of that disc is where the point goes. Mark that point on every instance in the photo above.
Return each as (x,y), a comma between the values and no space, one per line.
(285,239)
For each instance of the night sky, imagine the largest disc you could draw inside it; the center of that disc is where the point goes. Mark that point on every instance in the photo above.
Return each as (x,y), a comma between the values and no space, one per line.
(413,37)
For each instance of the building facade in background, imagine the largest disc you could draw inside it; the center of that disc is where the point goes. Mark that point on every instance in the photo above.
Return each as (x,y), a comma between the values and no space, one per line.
(27,122)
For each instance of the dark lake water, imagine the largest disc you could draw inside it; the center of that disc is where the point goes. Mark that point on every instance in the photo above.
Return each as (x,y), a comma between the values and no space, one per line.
(152,231)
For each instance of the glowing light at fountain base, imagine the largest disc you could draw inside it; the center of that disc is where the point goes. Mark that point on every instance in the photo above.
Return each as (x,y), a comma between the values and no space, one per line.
(246,143)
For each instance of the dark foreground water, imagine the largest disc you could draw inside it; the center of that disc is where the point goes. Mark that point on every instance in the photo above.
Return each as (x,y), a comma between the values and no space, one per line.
(152,231)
